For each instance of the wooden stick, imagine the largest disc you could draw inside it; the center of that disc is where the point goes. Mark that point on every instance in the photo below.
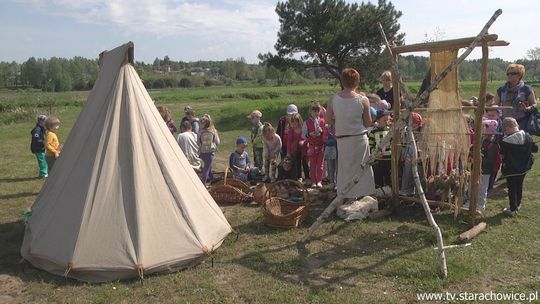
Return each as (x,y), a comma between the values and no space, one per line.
(397,140)
(455,246)
(431,220)
(458,60)
(471,233)
(477,168)
(439,45)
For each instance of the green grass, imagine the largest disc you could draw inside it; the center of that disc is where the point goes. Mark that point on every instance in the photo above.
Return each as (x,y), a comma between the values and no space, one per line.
(386,261)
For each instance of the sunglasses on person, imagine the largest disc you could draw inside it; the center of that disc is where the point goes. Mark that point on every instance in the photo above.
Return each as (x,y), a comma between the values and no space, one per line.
(315,109)
(512,73)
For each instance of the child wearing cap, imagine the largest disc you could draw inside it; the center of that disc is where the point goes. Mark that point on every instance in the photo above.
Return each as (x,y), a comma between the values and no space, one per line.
(208,140)
(490,157)
(239,159)
(272,147)
(381,167)
(283,128)
(256,137)
(312,131)
(37,145)
(52,145)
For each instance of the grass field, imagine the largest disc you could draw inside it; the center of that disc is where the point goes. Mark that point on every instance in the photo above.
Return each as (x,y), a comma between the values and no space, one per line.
(386,261)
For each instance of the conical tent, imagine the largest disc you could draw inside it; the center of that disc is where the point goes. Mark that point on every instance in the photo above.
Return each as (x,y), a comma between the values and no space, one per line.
(122,198)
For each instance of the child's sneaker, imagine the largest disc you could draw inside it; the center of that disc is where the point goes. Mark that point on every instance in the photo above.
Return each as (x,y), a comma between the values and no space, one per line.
(508,212)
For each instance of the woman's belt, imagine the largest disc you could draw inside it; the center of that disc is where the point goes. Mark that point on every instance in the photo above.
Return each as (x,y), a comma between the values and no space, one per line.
(343,136)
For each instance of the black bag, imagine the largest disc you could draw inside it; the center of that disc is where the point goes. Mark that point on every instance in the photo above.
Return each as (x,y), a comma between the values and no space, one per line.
(533,122)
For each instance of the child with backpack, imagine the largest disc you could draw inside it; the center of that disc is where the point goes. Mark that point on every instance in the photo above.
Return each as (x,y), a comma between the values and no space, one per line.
(517,147)
(208,140)
(38,145)
(272,148)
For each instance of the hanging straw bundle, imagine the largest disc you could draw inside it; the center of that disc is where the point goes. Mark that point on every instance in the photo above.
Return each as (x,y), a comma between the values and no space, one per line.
(444,141)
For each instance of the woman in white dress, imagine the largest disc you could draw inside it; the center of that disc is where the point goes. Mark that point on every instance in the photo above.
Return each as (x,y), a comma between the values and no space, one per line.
(348,111)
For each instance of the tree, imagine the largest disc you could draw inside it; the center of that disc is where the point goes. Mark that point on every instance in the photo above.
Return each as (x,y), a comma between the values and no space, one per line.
(281,66)
(534,56)
(335,33)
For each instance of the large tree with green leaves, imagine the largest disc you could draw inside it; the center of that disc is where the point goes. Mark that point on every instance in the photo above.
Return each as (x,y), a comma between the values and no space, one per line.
(336,34)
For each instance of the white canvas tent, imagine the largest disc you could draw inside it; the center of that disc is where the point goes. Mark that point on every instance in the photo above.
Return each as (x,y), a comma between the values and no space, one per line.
(122,198)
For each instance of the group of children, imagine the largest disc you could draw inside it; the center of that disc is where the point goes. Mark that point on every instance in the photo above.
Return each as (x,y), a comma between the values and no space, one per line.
(310,147)
(504,147)
(45,145)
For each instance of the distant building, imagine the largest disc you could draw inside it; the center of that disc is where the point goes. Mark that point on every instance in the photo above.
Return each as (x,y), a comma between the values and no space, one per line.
(166,68)
(197,71)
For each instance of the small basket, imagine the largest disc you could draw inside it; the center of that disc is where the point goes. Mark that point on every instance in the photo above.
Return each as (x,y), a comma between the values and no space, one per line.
(226,194)
(230,191)
(280,212)
(235,183)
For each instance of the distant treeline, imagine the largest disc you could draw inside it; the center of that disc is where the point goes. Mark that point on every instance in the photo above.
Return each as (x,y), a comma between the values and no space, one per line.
(60,74)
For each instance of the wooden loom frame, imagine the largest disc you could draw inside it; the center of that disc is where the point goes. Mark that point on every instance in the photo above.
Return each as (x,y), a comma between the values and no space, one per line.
(401,122)
(454,44)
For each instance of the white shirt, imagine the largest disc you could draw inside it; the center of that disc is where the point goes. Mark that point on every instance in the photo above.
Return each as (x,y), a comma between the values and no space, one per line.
(188,143)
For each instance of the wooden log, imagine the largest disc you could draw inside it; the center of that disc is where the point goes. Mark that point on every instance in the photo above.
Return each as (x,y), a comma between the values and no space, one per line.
(477,167)
(439,45)
(471,233)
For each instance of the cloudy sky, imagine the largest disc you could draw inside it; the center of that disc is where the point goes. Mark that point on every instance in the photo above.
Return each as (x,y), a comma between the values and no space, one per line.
(219,29)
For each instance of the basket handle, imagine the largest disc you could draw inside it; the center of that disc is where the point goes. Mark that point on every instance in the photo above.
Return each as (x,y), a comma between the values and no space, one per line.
(225,177)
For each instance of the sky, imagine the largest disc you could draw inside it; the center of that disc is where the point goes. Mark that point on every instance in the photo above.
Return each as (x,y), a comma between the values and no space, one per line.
(220,29)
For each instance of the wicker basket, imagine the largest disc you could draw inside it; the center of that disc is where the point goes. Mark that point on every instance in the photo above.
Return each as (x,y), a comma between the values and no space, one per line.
(235,183)
(226,194)
(230,191)
(280,212)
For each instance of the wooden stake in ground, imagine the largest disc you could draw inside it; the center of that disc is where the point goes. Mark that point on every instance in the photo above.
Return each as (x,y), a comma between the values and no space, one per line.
(477,168)
(420,191)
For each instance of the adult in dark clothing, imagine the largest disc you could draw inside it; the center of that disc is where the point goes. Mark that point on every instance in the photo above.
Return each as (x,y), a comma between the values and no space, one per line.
(517,147)
(37,145)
